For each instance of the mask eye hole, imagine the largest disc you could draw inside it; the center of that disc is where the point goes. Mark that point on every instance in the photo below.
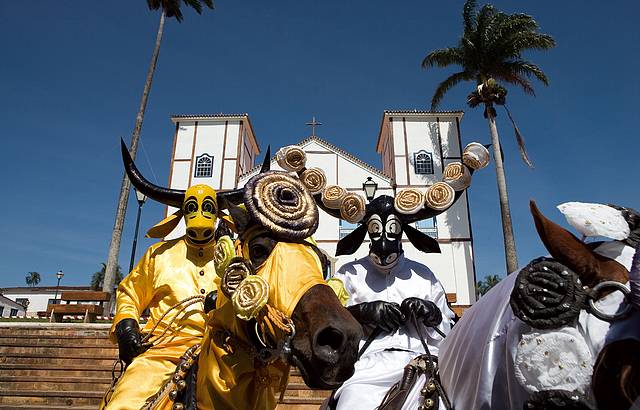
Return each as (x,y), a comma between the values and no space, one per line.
(190,207)
(374,227)
(207,206)
(392,226)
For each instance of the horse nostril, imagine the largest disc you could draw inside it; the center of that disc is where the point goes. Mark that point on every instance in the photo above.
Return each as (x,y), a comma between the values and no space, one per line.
(192,233)
(207,233)
(330,339)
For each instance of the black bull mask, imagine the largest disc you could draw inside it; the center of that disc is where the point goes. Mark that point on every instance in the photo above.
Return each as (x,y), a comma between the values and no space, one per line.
(385,227)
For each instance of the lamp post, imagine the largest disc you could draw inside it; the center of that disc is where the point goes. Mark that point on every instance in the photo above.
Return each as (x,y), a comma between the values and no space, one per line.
(141,198)
(59,275)
(369,187)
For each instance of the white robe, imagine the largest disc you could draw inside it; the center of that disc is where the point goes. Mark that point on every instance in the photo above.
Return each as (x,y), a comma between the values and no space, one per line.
(378,369)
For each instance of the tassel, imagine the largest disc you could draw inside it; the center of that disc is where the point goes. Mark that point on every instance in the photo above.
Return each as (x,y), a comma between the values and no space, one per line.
(520,140)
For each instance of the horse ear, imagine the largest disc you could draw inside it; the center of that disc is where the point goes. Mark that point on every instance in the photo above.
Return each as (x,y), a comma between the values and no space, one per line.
(240,217)
(266,163)
(575,254)
(350,243)
(420,240)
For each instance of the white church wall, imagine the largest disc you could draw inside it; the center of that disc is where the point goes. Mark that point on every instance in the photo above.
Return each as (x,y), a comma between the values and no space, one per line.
(208,137)
(454,222)
(233,132)
(184,140)
(229,174)
(180,174)
(449,136)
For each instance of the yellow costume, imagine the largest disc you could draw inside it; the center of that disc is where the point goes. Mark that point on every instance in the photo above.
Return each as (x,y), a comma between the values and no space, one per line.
(168,273)
(227,376)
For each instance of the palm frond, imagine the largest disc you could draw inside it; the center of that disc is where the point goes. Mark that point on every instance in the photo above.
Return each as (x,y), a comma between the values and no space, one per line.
(171,8)
(446,85)
(516,79)
(443,57)
(519,139)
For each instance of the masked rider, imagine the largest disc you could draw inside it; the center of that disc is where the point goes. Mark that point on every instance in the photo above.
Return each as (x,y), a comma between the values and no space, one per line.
(168,273)
(385,290)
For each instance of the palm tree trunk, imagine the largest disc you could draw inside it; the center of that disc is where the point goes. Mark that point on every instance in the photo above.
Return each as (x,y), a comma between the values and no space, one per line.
(507,227)
(116,236)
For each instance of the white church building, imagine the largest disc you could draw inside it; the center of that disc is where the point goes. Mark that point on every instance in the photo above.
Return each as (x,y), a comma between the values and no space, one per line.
(221,150)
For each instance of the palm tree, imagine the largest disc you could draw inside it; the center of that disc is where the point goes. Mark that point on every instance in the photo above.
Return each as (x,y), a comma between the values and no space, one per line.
(32,279)
(170,8)
(97,279)
(490,50)
(483,286)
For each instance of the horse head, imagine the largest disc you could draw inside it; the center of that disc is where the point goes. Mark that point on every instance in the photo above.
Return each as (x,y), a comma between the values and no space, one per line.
(615,377)
(274,229)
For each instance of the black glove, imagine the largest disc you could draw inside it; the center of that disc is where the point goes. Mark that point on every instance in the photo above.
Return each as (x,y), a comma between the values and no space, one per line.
(425,310)
(129,340)
(385,315)
(210,301)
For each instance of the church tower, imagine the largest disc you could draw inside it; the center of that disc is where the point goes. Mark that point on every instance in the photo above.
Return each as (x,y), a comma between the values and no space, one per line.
(211,149)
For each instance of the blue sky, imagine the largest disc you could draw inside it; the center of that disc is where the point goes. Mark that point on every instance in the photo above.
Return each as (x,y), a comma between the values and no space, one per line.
(72,74)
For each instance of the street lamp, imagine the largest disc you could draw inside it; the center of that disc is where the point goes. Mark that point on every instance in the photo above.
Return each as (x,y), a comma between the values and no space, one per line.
(369,187)
(59,275)
(141,198)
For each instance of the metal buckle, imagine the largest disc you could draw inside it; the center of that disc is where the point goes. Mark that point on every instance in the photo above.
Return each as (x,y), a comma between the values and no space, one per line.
(593,294)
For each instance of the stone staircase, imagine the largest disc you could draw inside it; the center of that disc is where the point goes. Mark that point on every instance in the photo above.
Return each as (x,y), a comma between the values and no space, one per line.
(60,366)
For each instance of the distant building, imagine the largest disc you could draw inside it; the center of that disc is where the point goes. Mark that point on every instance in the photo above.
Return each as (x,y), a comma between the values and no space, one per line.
(36,298)
(10,308)
(220,150)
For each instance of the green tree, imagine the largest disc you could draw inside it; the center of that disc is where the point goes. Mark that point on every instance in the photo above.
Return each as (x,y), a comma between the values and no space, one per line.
(490,50)
(32,279)
(97,279)
(483,286)
(169,8)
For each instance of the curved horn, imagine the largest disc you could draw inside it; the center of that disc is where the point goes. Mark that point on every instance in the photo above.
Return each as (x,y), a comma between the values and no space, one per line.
(266,163)
(426,212)
(233,196)
(171,197)
(591,267)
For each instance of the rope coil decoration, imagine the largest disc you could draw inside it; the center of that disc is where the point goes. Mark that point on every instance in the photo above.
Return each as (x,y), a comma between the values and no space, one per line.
(314,179)
(250,297)
(223,253)
(291,158)
(408,201)
(237,270)
(439,196)
(457,175)
(475,156)
(283,204)
(352,208)
(547,295)
(333,195)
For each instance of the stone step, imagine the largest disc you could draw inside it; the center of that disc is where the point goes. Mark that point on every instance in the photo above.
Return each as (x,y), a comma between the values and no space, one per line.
(46,369)
(55,383)
(96,352)
(37,341)
(301,390)
(19,358)
(41,407)
(56,398)
(59,331)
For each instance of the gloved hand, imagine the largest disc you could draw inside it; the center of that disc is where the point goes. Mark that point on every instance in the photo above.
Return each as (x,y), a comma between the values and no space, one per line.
(425,310)
(386,315)
(129,340)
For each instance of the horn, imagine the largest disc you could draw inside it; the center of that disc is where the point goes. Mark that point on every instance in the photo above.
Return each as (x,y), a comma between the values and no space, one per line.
(591,267)
(232,196)
(634,279)
(426,212)
(171,197)
(266,163)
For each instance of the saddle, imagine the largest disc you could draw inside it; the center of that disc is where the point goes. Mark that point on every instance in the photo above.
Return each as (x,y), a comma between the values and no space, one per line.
(424,364)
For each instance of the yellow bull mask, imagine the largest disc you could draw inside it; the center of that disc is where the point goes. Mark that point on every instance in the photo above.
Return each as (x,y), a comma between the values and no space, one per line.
(198,205)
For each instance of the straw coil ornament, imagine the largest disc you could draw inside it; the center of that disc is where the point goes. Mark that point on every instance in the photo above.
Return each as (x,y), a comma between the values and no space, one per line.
(250,297)
(223,252)
(457,175)
(333,195)
(291,158)
(314,179)
(439,196)
(282,204)
(237,270)
(353,208)
(408,201)
(475,156)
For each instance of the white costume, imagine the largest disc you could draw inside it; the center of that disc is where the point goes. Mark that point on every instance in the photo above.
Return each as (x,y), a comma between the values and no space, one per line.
(382,364)
(478,368)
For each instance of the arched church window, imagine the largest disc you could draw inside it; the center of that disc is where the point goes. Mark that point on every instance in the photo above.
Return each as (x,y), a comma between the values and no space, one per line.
(423,162)
(204,166)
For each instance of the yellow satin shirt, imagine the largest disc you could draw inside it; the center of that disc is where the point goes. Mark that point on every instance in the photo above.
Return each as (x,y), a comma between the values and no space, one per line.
(169,272)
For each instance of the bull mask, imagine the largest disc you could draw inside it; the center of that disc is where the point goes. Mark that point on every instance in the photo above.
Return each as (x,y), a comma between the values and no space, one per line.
(198,205)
